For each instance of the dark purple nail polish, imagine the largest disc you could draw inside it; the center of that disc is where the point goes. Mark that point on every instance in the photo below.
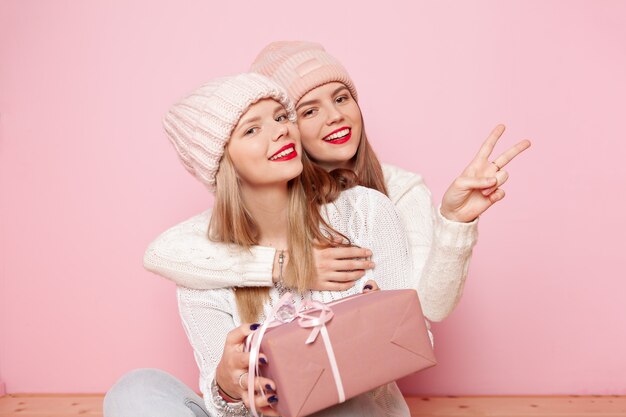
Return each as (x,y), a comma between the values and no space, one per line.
(263,361)
(272,399)
(368,287)
(254,326)
(269,387)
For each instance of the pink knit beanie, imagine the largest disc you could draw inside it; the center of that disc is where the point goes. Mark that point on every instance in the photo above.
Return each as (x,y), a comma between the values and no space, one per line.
(200,125)
(300,67)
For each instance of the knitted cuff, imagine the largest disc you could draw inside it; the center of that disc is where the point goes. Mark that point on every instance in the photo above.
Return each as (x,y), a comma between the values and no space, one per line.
(258,271)
(455,234)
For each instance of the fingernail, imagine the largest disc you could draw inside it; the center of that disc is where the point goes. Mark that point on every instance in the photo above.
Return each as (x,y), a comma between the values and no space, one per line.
(272,399)
(372,264)
(269,387)
(368,287)
(263,361)
(254,326)
(368,252)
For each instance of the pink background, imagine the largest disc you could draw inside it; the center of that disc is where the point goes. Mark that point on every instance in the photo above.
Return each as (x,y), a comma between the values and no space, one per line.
(88,179)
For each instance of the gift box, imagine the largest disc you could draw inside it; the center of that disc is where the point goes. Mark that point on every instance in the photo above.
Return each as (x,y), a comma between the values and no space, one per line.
(327,353)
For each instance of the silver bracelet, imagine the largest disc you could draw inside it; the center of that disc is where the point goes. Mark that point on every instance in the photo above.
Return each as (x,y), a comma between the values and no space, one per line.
(281,261)
(229,409)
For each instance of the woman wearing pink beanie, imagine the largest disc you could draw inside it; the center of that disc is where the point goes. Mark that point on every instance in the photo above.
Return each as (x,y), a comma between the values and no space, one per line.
(236,135)
(333,135)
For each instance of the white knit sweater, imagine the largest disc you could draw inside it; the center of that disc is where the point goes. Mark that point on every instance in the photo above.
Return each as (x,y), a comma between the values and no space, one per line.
(440,250)
(368,219)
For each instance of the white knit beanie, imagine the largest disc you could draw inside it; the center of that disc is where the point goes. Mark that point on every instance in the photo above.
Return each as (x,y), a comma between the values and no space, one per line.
(200,125)
(300,67)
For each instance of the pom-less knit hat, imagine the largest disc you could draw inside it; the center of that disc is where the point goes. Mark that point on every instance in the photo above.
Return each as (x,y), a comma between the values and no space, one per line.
(300,67)
(200,125)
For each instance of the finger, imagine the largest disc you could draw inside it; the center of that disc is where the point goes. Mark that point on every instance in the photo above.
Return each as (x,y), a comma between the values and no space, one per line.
(268,385)
(265,392)
(472,183)
(350,252)
(370,285)
(511,153)
(502,177)
(345,277)
(268,411)
(335,286)
(349,265)
(238,334)
(261,400)
(261,384)
(496,195)
(242,360)
(489,143)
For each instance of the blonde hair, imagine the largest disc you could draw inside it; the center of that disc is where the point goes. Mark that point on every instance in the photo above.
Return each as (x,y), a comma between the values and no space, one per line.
(231,222)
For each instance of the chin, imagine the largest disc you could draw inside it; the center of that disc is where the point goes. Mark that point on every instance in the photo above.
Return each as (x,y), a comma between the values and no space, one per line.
(287,174)
(296,171)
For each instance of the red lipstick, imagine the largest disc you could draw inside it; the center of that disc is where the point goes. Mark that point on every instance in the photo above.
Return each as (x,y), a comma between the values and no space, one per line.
(288,156)
(340,140)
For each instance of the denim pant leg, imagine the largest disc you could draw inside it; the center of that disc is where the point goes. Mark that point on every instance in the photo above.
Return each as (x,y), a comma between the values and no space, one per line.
(152,393)
(385,401)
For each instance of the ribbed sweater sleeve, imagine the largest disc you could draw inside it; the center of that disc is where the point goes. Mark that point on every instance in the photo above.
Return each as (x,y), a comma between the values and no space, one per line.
(207,318)
(184,255)
(441,249)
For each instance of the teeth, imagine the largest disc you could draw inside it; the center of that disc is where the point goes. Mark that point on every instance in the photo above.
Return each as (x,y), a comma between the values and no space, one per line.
(283,153)
(338,135)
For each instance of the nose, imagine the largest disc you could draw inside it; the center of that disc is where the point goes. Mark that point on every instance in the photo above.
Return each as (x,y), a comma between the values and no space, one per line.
(281,132)
(334,116)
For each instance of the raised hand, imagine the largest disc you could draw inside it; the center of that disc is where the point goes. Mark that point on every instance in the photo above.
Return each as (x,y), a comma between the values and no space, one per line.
(478,186)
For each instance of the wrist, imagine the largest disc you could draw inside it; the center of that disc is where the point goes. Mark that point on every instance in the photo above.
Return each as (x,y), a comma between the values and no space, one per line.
(225,396)
(449,215)
(223,393)
(230,408)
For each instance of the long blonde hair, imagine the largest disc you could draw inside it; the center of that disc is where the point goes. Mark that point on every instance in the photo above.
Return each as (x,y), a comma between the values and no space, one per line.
(231,222)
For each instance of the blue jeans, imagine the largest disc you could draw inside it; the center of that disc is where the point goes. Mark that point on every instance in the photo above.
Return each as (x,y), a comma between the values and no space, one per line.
(155,393)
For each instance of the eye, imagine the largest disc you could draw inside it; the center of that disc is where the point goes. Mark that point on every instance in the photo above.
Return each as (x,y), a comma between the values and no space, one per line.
(251,131)
(281,118)
(341,99)
(309,112)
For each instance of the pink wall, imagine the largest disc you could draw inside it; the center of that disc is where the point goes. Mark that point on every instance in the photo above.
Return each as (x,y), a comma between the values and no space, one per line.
(87,177)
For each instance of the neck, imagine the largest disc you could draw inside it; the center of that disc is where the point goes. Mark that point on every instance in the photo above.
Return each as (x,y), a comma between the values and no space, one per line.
(269,206)
(329,166)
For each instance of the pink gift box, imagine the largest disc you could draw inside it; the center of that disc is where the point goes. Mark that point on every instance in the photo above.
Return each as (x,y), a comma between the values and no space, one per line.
(377,337)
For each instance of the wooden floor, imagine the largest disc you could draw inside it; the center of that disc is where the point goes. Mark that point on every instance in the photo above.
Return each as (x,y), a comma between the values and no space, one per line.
(48,405)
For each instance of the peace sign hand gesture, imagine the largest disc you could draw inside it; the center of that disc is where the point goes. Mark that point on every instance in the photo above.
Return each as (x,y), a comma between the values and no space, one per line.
(478,186)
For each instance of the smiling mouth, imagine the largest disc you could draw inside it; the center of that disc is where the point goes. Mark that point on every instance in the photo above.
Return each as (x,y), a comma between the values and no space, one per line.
(285,153)
(339,136)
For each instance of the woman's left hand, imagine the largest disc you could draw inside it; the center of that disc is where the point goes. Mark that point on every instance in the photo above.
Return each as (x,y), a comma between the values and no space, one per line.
(478,186)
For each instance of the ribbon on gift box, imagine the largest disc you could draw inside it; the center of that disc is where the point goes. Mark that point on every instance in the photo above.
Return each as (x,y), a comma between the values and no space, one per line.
(313,315)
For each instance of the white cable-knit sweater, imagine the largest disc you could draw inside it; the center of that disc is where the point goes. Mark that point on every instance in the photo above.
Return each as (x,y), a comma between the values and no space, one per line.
(440,250)
(368,219)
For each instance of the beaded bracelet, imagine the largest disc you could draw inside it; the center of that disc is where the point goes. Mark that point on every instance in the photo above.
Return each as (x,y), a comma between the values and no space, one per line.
(229,409)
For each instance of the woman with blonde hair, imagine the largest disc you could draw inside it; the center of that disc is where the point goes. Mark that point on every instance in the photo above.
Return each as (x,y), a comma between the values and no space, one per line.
(333,136)
(237,136)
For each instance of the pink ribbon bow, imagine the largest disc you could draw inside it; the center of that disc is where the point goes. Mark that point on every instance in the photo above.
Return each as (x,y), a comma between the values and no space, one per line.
(312,314)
